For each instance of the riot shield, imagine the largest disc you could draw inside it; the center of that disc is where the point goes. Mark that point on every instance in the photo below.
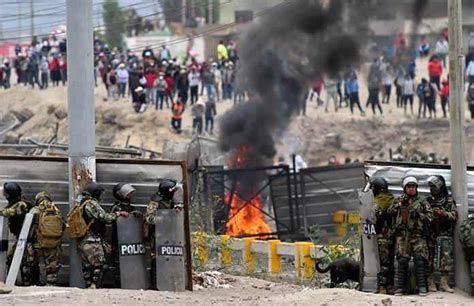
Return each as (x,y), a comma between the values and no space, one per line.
(131,248)
(369,249)
(170,242)
(3,248)
(20,249)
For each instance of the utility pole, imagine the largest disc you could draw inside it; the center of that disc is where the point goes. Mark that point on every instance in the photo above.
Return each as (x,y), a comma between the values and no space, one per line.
(211,17)
(81,116)
(19,21)
(184,8)
(32,20)
(458,162)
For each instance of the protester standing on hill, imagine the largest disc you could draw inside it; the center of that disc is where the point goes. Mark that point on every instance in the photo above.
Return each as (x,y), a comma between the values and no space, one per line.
(408,92)
(442,49)
(177,114)
(352,88)
(194,80)
(435,70)
(444,95)
(331,93)
(374,81)
(210,113)
(122,79)
(387,80)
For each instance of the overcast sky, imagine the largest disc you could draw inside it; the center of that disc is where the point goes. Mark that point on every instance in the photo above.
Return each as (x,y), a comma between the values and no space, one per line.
(50,14)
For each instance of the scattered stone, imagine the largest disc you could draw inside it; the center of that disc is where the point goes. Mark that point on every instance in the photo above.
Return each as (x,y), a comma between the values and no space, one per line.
(210,279)
(60,113)
(4,289)
(11,138)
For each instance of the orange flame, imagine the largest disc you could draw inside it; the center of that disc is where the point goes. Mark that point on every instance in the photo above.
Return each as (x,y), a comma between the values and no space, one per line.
(245,218)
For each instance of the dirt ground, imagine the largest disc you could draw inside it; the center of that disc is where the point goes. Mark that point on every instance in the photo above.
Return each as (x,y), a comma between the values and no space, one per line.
(242,291)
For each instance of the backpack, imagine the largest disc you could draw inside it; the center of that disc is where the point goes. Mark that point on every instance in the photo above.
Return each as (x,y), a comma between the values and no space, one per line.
(50,226)
(77,226)
(467,236)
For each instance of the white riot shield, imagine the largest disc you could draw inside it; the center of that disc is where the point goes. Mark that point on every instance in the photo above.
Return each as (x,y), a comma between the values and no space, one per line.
(369,249)
(132,251)
(20,249)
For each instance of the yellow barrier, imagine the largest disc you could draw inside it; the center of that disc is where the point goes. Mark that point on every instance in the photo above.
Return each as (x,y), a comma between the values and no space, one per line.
(274,262)
(309,263)
(249,259)
(304,254)
(226,251)
(340,220)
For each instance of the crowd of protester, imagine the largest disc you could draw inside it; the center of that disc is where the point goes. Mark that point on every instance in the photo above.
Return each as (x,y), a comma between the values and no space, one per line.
(157,80)
(153,80)
(392,78)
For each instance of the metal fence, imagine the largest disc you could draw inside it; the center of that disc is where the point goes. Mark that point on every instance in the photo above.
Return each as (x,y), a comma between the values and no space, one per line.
(35,174)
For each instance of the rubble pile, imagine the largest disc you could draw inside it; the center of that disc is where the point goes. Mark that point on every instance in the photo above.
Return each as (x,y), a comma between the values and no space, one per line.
(210,279)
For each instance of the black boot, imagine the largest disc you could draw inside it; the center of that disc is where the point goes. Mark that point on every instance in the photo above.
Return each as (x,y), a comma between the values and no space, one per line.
(401,273)
(420,269)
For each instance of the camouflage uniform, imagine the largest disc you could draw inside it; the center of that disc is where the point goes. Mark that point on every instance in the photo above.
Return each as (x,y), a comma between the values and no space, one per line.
(156,202)
(50,255)
(92,247)
(440,242)
(15,212)
(385,239)
(412,217)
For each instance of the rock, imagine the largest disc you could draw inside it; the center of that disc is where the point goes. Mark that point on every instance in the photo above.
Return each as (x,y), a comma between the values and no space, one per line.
(109,118)
(60,113)
(4,289)
(23,115)
(333,140)
(11,138)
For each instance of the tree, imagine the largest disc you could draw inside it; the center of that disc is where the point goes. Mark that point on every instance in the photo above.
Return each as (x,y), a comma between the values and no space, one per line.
(115,23)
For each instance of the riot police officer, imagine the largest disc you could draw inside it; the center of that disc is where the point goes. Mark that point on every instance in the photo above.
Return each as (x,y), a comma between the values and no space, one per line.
(384,229)
(412,218)
(441,235)
(16,210)
(164,198)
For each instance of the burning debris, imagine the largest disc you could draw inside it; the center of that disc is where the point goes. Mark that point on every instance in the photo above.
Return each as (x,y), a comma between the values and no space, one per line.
(245,206)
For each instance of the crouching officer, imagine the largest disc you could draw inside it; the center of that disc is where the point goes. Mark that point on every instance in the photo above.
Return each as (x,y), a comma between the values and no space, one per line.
(384,229)
(412,217)
(123,194)
(48,226)
(163,199)
(91,244)
(442,229)
(15,211)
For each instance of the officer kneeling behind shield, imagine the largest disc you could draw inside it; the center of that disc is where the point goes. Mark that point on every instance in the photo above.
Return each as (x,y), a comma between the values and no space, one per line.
(163,199)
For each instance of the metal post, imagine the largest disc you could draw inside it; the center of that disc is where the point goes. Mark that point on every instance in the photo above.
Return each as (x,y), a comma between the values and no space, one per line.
(81,111)
(32,20)
(211,16)
(19,21)
(458,163)
(183,17)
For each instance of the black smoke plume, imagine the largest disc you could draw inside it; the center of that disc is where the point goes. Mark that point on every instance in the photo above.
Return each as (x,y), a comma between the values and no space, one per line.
(280,55)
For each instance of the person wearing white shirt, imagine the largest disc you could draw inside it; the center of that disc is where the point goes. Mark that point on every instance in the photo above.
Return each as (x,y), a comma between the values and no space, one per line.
(194,78)
(442,49)
(408,92)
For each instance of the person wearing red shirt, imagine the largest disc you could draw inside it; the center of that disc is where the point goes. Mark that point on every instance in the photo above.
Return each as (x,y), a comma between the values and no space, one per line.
(177,111)
(435,70)
(444,94)
(169,88)
(150,77)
